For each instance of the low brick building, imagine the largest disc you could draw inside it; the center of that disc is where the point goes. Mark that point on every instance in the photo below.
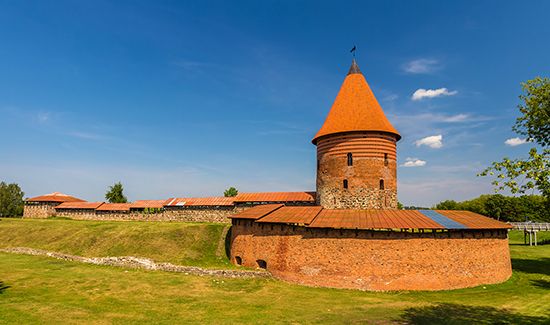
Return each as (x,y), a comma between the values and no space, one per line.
(355,237)
(44,206)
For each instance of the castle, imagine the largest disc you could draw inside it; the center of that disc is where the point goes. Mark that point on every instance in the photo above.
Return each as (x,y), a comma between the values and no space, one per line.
(355,237)
(347,234)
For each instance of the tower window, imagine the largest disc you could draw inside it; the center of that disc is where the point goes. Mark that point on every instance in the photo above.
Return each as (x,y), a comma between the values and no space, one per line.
(345,183)
(318,163)
(385,159)
(381,184)
(350,159)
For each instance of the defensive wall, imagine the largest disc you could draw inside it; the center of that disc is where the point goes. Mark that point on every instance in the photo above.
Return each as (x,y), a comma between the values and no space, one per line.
(206,209)
(207,214)
(373,260)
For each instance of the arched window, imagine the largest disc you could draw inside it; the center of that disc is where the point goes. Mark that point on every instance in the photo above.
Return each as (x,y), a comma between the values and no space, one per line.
(350,159)
(262,264)
(381,184)
(345,183)
(238,260)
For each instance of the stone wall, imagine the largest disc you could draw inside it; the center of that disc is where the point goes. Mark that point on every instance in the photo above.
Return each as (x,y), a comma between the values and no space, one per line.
(373,161)
(198,214)
(39,210)
(373,260)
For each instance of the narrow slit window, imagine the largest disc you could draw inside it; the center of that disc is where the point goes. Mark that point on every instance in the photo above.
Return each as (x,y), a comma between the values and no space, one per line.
(350,159)
(345,183)
(381,184)
(385,159)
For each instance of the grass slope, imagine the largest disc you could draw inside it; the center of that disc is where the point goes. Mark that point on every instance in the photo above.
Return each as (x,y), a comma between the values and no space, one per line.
(43,290)
(179,243)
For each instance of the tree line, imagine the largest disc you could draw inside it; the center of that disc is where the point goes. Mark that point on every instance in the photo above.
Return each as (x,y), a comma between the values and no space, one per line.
(535,208)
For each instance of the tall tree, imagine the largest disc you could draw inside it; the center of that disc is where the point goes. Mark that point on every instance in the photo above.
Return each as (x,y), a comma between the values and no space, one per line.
(115,194)
(531,173)
(11,200)
(230,192)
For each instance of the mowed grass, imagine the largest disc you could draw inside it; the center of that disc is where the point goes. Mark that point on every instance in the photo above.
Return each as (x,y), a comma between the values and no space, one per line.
(44,290)
(198,244)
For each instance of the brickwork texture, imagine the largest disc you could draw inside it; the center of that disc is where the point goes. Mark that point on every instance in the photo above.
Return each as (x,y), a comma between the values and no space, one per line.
(373,260)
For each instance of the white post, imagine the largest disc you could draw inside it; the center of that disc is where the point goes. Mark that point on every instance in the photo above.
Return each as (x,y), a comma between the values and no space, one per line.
(535,238)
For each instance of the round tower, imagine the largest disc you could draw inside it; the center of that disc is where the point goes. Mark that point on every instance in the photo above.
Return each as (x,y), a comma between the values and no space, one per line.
(356,151)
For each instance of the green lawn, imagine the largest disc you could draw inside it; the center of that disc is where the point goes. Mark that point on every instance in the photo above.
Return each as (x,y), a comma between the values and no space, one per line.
(44,290)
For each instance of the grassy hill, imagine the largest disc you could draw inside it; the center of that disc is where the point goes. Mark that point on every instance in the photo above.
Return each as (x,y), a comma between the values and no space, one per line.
(175,242)
(36,289)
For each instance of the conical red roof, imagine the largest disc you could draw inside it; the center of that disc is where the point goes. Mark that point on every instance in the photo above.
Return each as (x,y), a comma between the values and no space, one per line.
(355,109)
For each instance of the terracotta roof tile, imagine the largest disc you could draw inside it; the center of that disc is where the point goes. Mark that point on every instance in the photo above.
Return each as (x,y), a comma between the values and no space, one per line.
(256,212)
(373,219)
(474,220)
(292,215)
(276,197)
(142,204)
(355,109)
(114,207)
(202,201)
(79,205)
(55,197)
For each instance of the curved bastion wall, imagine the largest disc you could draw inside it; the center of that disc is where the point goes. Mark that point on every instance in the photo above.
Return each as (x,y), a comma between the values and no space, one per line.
(373,260)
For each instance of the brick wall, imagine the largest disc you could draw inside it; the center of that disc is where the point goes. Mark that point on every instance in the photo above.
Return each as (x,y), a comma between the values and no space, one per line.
(39,210)
(374,159)
(374,260)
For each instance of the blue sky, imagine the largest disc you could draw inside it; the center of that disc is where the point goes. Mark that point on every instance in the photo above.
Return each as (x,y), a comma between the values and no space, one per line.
(180,99)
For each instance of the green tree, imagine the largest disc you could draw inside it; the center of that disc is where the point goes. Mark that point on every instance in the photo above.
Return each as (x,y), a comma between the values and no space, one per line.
(11,200)
(504,208)
(446,205)
(230,192)
(531,173)
(115,194)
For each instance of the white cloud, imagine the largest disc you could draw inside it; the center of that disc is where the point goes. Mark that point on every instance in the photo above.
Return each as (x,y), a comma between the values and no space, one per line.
(515,142)
(413,162)
(434,141)
(455,118)
(432,93)
(421,66)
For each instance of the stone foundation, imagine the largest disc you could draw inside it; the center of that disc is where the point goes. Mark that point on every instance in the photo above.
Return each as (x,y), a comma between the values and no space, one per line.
(373,260)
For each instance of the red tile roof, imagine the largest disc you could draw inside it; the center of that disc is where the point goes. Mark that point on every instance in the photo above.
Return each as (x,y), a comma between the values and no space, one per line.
(142,204)
(293,215)
(55,197)
(276,197)
(355,109)
(374,219)
(473,220)
(114,207)
(316,217)
(257,212)
(202,201)
(79,205)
